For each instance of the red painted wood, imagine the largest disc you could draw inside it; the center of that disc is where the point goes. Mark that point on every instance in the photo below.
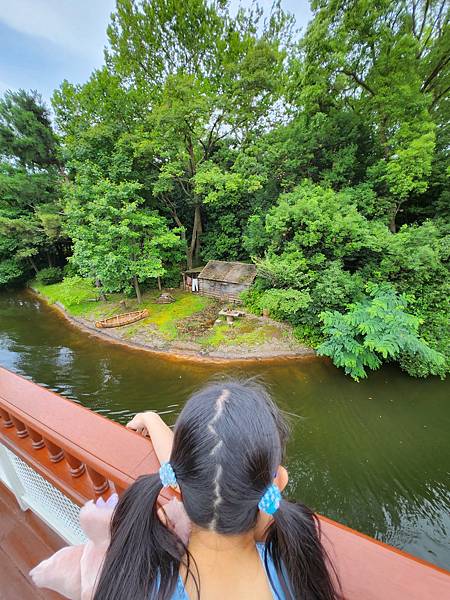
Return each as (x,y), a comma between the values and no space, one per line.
(371,570)
(76,467)
(111,450)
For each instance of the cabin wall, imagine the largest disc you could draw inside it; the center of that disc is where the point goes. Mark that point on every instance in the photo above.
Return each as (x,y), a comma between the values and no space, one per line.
(222,289)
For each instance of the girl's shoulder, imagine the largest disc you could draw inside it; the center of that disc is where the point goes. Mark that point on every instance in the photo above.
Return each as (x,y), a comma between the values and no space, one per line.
(271,571)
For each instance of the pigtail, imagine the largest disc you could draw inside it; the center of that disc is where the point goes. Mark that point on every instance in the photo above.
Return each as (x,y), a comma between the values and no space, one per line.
(143,558)
(303,566)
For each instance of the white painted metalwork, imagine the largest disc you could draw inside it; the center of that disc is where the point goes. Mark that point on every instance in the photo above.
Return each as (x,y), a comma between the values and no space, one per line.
(37,494)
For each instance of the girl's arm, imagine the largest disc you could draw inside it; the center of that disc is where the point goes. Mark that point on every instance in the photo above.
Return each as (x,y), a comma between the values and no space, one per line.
(150,424)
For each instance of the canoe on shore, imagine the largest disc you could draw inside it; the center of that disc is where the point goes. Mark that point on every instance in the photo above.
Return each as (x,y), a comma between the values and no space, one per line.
(124,319)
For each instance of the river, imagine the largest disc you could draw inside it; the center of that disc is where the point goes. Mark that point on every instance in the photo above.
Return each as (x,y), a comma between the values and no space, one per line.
(373,455)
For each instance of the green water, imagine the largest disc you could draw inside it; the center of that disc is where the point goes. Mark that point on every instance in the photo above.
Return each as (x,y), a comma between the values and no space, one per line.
(373,455)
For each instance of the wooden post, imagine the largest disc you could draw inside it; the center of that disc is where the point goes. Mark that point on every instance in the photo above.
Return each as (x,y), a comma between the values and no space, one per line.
(7,421)
(55,452)
(100,483)
(20,428)
(76,467)
(37,441)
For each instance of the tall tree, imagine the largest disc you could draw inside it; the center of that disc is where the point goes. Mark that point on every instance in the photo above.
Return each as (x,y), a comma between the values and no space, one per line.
(208,76)
(131,244)
(390,62)
(30,176)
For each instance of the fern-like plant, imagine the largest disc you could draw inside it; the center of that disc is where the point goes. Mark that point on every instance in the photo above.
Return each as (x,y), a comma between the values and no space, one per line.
(376,329)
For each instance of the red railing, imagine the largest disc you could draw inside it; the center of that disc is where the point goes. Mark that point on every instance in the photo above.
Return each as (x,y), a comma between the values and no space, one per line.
(84,455)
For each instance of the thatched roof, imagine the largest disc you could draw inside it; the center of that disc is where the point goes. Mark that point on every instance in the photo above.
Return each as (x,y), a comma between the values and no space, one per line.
(229,272)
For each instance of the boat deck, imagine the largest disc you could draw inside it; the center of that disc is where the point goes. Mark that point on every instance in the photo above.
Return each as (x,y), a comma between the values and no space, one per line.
(24,541)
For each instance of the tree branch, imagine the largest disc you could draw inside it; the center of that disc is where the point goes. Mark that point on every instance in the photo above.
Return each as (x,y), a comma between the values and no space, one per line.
(425,13)
(439,96)
(359,81)
(437,19)
(434,73)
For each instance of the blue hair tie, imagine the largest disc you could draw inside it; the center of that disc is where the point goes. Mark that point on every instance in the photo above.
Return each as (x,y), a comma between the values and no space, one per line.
(270,500)
(167,475)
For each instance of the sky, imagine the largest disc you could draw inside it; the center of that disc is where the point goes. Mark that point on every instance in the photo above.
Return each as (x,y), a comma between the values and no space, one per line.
(43,42)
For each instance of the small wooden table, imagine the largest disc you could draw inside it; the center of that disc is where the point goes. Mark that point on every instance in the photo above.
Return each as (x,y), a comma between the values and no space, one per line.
(231,315)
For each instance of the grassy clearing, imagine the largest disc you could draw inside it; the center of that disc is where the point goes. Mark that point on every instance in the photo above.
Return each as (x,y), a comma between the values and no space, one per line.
(74,293)
(191,318)
(77,297)
(244,332)
(165,317)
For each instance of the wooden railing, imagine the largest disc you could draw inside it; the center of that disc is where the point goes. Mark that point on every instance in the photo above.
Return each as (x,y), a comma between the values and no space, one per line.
(84,455)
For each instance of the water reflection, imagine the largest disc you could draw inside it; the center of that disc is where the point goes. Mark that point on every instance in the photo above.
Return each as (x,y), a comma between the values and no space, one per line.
(372,455)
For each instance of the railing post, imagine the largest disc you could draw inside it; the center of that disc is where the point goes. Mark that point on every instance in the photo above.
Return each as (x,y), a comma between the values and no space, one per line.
(20,427)
(7,421)
(37,441)
(100,483)
(76,467)
(56,453)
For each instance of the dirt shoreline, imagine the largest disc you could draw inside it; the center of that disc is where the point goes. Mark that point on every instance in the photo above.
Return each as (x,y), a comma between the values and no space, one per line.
(230,354)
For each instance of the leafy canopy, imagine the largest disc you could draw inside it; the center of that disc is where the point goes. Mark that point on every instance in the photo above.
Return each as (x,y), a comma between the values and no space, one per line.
(373,330)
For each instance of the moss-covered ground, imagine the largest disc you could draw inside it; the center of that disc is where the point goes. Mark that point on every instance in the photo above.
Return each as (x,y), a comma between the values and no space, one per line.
(191,319)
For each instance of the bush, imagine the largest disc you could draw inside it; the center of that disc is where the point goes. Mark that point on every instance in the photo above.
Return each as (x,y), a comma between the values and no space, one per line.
(283,304)
(378,329)
(50,275)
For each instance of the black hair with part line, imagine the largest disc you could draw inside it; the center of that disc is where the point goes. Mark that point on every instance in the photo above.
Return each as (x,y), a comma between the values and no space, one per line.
(229,440)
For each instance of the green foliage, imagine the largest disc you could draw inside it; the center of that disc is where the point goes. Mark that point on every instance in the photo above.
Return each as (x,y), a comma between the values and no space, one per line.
(377,329)
(283,304)
(50,275)
(218,134)
(30,220)
(389,63)
(73,293)
(323,225)
(130,246)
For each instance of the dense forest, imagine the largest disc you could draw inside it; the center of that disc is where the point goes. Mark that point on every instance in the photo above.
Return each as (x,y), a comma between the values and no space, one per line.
(322,157)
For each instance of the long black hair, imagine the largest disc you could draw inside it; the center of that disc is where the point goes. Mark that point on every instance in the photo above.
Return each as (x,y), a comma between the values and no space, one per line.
(229,441)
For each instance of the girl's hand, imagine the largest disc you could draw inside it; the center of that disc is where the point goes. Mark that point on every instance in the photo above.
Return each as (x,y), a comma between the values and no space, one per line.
(150,424)
(143,422)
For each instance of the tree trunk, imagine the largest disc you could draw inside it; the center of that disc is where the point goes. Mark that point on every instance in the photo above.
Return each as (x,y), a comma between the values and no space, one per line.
(137,289)
(159,284)
(194,249)
(171,206)
(392,223)
(49,259)
(98,284)
(33,264)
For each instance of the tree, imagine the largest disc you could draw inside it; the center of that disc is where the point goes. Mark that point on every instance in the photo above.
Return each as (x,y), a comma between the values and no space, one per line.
(376,329)
(30,178)
(389,61)
(208,77)
(114,239)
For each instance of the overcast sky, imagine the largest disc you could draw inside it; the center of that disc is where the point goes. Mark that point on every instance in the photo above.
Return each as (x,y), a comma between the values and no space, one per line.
(43,42)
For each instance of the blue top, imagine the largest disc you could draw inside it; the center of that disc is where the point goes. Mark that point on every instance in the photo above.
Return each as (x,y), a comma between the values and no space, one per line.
(272,576)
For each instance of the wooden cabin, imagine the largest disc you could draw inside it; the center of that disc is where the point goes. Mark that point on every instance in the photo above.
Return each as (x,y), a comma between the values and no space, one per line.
(226,280)
(55,455)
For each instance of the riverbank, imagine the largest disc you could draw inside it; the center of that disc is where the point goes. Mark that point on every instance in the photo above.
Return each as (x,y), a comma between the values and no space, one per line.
(190,327)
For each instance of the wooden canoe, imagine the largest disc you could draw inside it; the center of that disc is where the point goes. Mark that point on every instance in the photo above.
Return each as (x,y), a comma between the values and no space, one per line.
(123,319)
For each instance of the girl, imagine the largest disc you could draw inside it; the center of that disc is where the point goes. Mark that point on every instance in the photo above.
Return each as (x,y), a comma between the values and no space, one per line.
(246,541)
